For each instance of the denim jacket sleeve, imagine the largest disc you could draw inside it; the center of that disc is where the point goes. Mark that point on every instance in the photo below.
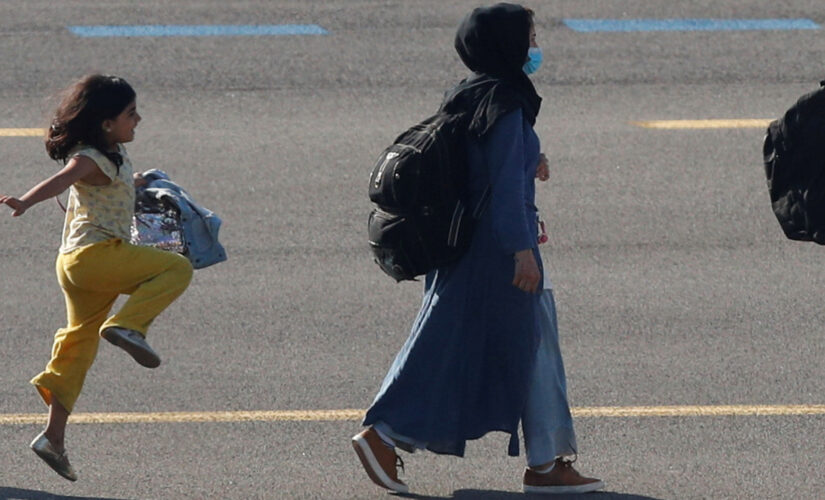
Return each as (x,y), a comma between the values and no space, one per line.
(504,154)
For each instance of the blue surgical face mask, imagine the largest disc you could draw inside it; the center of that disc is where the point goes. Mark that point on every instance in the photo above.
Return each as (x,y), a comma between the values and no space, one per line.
(534,58)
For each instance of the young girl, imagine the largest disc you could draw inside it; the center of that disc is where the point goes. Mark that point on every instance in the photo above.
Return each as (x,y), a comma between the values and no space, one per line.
(96,262)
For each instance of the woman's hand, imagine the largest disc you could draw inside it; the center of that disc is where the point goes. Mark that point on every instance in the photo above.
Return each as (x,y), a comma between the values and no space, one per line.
(19,206)
(543,169)
(527,275)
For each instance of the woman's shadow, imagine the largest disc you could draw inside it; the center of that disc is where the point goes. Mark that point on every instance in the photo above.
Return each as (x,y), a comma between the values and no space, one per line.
(21,494)
(507,495)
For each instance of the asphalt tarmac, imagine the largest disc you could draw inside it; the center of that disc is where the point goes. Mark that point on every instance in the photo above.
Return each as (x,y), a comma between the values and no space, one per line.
(674,282)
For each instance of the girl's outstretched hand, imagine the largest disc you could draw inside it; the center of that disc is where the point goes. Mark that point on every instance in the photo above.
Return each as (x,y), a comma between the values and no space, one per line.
(19,207)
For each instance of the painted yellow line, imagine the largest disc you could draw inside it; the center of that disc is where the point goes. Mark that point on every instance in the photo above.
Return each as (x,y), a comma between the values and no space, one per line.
(703,124)
(22,132)
(354,415)
(699,411)
(199,416)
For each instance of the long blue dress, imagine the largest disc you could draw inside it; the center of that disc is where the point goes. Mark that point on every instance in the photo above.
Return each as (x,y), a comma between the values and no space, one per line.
(465,369)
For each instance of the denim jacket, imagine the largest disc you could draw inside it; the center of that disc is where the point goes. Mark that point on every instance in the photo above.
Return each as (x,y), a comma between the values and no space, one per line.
(200,225)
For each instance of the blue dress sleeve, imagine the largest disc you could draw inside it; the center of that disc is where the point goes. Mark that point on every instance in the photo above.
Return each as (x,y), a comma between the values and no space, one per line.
(504,154)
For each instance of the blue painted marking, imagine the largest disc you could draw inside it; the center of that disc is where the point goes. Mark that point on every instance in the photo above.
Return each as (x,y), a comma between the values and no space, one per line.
(627,25)
(158,30)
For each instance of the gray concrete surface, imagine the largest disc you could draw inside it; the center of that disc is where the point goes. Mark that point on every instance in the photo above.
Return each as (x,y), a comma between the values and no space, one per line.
(674,282)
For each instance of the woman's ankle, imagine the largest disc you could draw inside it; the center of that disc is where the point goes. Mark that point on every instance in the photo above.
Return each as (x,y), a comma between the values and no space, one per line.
(543,468)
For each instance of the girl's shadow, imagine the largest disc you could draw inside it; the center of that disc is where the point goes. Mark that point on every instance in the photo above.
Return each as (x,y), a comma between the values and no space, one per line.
(21,494)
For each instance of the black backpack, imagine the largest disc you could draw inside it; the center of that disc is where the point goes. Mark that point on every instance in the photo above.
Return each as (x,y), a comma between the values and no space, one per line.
(420,220)
(794,155)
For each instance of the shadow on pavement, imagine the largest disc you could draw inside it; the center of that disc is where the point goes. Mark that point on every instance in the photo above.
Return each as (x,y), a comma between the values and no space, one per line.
(507,495)
(21,494)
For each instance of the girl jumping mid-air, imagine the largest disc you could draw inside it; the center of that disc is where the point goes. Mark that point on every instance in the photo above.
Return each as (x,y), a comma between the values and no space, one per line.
(96,262)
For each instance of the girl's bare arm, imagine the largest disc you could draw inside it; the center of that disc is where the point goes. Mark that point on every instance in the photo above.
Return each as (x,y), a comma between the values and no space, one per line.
(78,168)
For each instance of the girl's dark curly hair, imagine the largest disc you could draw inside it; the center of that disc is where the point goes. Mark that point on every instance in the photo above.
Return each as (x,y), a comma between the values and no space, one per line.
(83,109)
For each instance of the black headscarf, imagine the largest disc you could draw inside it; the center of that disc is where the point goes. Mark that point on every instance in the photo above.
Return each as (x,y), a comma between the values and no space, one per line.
(493,43)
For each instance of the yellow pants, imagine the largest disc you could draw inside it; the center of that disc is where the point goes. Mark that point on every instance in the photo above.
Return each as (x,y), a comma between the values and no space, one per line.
(92,278)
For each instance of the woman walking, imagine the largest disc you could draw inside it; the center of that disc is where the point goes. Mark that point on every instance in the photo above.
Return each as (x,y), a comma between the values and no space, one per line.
(483,353)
